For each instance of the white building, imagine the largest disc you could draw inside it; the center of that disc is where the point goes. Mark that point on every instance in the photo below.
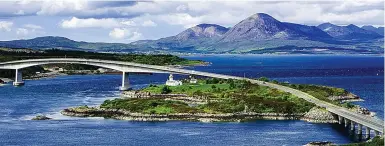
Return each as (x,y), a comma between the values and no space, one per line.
(172,82)
(193,80)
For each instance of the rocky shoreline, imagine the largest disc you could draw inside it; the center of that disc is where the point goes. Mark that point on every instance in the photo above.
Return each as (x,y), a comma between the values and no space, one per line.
(314,115)
(202,117)
(319,115)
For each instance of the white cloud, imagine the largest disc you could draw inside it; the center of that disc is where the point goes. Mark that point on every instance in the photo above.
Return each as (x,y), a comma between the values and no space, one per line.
(20,12)
(22,32)
(105,23)
(6,25)
(29,30)
(149,23)
(90,22)
(129,23)
(33,26)
(52,7)
(117,33)
(124,33)
(184,19)
(353,18)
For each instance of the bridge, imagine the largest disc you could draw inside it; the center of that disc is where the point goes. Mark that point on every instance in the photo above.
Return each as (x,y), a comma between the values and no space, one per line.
(349,118)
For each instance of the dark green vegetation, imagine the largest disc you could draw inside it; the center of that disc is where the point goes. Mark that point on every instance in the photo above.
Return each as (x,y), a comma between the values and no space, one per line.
(7,54)
(149,106)
(376,141)
(320,92)
(222,96)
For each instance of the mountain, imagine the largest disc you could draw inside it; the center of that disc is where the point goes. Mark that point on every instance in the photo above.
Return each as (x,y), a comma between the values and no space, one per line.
(186,41)
(257,34)
(379,30)
(201,31)
(311,32)
(65,43)
(350,32)
(261,26)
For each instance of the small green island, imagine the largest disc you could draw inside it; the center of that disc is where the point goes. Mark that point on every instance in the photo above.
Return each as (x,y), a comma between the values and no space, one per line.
(211,100)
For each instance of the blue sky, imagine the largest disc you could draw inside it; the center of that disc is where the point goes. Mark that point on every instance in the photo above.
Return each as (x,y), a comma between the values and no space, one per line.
(127,21)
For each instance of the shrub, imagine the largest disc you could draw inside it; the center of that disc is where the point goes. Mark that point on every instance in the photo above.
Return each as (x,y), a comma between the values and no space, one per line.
(265,79)
(166,90)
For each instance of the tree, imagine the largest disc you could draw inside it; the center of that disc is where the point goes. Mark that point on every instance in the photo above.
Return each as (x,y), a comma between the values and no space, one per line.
(232,85)
(265,79)
(166,90)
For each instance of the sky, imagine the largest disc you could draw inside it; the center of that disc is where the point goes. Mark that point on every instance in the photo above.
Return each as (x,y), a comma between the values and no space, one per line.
(128,21)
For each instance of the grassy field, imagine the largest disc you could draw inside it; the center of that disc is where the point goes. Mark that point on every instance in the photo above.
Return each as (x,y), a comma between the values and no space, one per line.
(228,96)
(222,96)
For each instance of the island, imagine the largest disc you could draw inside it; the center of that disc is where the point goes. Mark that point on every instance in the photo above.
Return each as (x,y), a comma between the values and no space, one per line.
(212,100)
(41,117)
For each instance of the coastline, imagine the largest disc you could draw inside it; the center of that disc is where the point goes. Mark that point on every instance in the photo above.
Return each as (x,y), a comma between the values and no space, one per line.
(315,115)
(120,114)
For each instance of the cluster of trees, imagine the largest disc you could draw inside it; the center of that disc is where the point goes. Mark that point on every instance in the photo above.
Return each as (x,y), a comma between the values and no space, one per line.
(166,90)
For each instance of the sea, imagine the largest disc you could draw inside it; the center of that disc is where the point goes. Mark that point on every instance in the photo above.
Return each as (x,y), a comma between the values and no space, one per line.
(362,75)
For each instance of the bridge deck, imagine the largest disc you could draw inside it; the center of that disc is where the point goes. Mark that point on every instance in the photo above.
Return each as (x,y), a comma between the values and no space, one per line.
(370,122)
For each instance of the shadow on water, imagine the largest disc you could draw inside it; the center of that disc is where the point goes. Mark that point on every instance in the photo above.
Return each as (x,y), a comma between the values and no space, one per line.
(353,135)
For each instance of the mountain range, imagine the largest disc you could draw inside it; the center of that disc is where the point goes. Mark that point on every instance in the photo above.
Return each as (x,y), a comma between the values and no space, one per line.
(257,34)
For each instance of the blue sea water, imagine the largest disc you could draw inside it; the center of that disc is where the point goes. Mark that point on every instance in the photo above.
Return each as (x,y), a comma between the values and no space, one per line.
(362,75)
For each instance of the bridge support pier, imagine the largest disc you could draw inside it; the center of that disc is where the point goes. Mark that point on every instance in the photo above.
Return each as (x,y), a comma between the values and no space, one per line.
(346,122)
(18,78)
(352,126)
(376,133)
(125,82)
(340,118)
(359,130)
(367,133)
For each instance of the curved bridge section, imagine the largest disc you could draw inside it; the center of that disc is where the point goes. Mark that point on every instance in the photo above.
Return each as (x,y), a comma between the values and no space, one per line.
(345,116)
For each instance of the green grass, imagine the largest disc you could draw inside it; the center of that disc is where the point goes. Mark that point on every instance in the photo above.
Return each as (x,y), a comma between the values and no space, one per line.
(235,96)
(190,62)
(187,88)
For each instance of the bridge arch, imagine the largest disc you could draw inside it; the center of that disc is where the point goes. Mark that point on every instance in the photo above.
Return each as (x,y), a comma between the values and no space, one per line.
(125,69)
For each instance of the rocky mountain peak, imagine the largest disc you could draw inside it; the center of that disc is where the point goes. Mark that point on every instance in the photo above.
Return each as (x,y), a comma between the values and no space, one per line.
(202,31)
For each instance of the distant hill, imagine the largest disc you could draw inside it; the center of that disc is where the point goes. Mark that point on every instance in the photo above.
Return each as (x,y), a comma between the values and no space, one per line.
(259,33)
(350,32)
(49,42)
(379,30)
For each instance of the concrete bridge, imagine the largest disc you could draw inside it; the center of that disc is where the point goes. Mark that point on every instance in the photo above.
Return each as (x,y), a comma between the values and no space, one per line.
(349,118)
